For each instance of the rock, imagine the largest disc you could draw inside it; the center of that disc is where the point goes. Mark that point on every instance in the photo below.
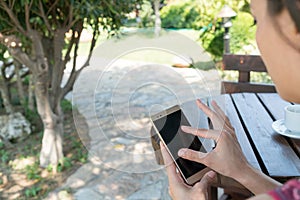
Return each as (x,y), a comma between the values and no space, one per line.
(14,126)
(64,195)
(155,190)
(88,193)
(124,141)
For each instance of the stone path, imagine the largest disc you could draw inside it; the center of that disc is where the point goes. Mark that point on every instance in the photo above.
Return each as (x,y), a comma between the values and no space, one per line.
(117,102)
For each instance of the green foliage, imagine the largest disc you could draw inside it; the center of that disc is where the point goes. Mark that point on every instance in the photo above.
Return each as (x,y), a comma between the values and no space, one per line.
(204,65)
(202,15)
(66,164)
(180,15)
(4,155)
(242,32)
(109,14)
(260,77)
(146,14)
(49,168)
(32,116)
(32,172)
(26,80)
(80,155)
(1,145)
(212,41)
(66,105)
(257,77)
(33,191)
(196,14)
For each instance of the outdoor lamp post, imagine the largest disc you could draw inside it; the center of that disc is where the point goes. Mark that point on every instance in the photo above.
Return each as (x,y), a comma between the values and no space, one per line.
(226,14)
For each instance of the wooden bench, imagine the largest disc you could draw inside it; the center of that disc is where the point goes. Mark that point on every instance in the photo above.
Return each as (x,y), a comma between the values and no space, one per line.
(244,64)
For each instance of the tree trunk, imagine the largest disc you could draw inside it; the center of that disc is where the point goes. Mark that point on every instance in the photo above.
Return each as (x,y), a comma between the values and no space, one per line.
(31,94)
(52,149)
(157,18)
(5,96)
(18,66)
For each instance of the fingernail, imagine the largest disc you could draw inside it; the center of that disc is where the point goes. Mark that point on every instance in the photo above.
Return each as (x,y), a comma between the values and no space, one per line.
(181,152)
(212,174)
(185,127)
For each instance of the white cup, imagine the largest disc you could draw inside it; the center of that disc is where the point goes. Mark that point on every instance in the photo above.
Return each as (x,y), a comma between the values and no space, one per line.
(292,118)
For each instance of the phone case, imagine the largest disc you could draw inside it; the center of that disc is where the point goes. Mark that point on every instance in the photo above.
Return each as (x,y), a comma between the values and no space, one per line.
(155,140)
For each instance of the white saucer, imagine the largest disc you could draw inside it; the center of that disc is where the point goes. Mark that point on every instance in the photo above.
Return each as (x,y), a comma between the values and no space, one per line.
(280,128)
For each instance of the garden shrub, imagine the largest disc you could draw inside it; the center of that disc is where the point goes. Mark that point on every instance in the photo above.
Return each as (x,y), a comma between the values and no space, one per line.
(202,15)
(180,15)
(242,33)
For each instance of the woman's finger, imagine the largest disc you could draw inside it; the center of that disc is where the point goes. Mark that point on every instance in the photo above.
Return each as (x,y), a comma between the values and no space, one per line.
(218,120)
(221,113)
(209,134)
(210,113)
(170,166)
(218,110)
(206,181)
(192,155)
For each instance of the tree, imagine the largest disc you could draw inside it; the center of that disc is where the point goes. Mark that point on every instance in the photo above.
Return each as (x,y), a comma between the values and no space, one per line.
(34,31)
(4,85)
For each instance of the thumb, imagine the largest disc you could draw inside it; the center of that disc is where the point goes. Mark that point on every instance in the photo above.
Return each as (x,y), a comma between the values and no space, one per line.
(206,181)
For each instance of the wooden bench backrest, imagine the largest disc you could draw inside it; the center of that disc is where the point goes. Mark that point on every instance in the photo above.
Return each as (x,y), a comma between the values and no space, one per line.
(244,64)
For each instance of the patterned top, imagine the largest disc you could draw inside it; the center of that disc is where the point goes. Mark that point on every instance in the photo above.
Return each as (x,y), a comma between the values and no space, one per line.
(289,191)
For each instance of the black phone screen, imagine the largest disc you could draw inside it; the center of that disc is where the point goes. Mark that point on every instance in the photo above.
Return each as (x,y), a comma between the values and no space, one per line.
(169,128)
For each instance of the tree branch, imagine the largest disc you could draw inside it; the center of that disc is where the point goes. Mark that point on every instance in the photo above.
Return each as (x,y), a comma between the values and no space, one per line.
(93,44)
(13,17)
(69,85)
(11,42)
(22,57)
(44,17)
(58,67)
(69,19)
(52,6)
(25,74)
(3,72)
(72,42)
(27,9)
(74,74)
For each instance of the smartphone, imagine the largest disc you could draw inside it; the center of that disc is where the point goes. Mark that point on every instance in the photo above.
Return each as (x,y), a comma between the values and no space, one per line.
(168,124)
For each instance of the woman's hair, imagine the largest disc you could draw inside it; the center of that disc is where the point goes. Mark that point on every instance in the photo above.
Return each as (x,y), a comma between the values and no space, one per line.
(293,6)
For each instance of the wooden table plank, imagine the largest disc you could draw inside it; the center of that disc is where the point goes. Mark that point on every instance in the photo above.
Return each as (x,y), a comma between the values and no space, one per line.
(240,133)
(276,105)
(277,156)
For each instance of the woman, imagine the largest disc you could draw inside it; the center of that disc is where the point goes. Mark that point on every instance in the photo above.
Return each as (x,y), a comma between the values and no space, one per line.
(277,20)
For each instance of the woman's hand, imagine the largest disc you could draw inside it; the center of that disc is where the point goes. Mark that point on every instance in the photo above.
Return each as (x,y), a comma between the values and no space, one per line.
(178,189)
(227,157)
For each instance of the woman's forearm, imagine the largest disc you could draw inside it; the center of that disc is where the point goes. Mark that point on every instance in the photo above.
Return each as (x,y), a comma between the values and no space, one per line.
(255,181)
